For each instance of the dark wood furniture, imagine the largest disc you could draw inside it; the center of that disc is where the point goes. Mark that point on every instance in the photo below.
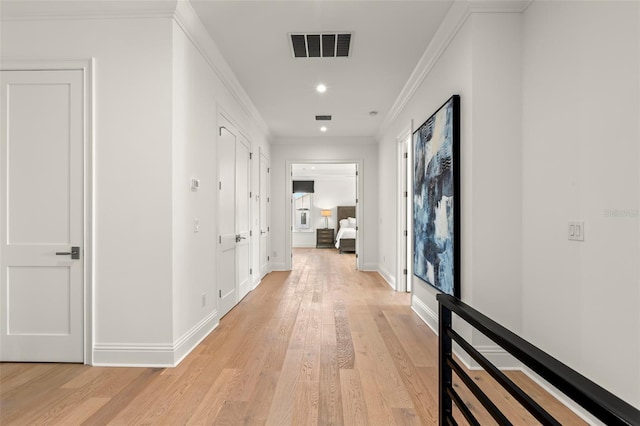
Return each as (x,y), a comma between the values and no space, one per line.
(324,238)
(346,244)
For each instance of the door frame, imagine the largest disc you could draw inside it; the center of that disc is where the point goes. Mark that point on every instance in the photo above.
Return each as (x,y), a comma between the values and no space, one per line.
(403,142)
(87,66)
(288,264)
(267,213)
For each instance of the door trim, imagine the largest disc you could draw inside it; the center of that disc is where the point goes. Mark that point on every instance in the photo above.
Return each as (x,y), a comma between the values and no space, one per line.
(403,141)
(87,66)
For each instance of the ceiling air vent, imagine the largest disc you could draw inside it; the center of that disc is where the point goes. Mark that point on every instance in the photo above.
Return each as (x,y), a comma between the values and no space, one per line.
(323,117)
(323,45)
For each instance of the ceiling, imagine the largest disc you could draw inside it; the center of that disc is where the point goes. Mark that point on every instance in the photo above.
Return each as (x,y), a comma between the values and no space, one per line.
(388,39)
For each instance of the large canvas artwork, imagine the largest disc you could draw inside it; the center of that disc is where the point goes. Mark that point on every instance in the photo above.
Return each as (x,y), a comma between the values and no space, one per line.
(436,207)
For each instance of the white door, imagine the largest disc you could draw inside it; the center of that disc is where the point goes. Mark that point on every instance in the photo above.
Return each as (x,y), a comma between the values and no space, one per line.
(403,196)
(234,279)
(41,216)
(265,201)
(227,221)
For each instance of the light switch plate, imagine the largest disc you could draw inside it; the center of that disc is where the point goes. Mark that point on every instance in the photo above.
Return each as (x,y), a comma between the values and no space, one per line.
(576,231)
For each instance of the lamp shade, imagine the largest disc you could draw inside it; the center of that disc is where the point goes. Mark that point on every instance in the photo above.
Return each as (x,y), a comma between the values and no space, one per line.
(325,213)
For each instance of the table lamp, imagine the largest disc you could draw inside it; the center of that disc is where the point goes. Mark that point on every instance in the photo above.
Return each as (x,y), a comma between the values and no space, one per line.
(326,214)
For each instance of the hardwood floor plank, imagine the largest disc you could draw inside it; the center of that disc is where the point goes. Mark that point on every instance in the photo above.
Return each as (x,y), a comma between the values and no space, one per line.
(305,407)
(261,399)
(212,403)
(192,389)
(330,404)
(353,403)
(82,412)
(123,398)
(281,407)
(406,416)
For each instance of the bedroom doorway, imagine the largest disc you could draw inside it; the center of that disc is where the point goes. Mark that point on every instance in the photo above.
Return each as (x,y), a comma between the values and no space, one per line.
(322,192)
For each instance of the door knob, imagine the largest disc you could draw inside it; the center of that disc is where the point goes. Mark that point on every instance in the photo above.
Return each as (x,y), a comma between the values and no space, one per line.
(74,253)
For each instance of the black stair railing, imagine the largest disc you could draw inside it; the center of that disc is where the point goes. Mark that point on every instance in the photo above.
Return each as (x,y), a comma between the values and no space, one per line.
(598,401)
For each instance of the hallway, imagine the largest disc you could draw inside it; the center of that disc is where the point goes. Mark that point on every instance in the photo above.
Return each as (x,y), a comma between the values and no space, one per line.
(323,344)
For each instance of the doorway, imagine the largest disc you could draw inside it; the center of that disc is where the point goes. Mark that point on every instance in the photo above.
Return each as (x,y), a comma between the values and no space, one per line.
(318,192)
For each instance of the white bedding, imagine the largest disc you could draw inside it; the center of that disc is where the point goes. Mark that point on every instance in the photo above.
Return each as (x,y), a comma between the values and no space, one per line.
(345,233)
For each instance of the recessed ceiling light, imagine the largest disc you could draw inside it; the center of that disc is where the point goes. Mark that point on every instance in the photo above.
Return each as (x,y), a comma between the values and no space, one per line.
(321,88)
(323,129)
(373,113)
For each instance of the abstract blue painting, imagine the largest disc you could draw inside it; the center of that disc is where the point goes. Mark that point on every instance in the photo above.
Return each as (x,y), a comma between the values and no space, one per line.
(436,218)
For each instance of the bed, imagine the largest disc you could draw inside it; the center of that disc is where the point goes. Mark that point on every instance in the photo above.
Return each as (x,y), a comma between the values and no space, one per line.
(346,235)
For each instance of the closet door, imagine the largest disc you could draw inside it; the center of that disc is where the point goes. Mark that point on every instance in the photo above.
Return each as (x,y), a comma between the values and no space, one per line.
(41,216)
(264,215)
(234,244)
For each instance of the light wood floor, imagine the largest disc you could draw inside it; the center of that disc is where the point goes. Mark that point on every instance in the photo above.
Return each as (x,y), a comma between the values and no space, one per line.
(323,344)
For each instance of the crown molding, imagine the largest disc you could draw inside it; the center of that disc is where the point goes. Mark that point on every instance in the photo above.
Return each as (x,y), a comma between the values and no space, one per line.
(451,24)
(187,18)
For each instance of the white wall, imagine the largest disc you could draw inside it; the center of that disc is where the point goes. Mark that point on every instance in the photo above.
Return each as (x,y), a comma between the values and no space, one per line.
(580,162)
(325,149)
(156,104)
(132,167)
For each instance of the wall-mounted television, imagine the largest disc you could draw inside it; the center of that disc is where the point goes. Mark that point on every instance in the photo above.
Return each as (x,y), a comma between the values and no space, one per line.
(303,186)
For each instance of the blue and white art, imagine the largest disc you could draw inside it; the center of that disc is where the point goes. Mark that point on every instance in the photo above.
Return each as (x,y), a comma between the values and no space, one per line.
(435,219)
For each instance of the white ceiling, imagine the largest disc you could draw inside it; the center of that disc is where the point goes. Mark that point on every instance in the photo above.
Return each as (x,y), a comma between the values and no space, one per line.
(388,39)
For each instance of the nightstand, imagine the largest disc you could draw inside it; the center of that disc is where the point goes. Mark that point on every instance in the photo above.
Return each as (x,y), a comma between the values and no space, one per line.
(324,238)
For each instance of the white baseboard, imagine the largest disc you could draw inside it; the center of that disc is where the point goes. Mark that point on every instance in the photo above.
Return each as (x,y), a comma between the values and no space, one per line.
(130,355)
(496,356)
(156,355)
(562,398)
(193,337)
(391,280)
(279,267)
(425,313)
(369,267)
(494,353)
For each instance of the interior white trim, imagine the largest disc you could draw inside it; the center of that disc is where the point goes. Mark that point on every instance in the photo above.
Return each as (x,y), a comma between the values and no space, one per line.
(278,267)
(87,66)
(564,400)
(156,355)
(494,353)
(133,355)
(425,313)
(192,338)
(387,276)
(288,264)
(402,255)
(451,24)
